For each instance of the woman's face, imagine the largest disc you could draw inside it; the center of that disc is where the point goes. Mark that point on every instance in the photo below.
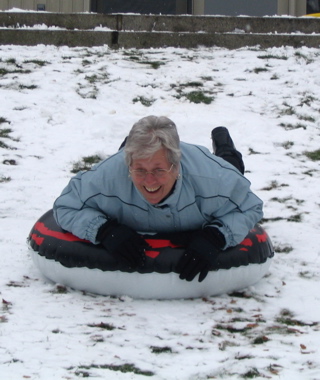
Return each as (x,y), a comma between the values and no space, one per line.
(154,184)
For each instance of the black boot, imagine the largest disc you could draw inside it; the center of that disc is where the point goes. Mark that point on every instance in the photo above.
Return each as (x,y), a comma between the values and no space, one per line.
(224,147)
(221,137)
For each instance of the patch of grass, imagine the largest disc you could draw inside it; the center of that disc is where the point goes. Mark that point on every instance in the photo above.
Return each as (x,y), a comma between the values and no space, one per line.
(272,56)
(102,325)
(134,58)
(192,84)
(280,200)
(199,97)
(286,199)
(4,179)
(4,120)
(275,219)
(11,61)
(92,94)
(139,59)
(154,64)
(306,275)
(124,368)
(298,54)
(94,78)
(251,374)
(82,373)
(26,87)
(86,163)
(314,155)
(307,118)
(286,317)
(161,350)
(287,144)
(16,284)
(86,62)
(290,127)
(289,110)
(4,145)
(4,71)
(144,101)
(252,151)
(261,340)
(60,289)
(244,357)
(38,62)
(283,249)
(206,78)
(297,218)
(258,70)
(310,172)
(307,100)
(233,330)
(274,185)
(4,132)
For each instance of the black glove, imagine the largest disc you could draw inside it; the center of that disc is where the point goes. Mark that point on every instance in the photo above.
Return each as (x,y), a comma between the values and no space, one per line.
(201,254)
(126,245)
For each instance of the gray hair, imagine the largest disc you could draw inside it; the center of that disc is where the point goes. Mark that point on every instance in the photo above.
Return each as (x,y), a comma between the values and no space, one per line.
(150,134)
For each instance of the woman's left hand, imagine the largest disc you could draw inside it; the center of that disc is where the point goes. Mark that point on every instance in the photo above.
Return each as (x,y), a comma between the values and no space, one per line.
(199,258)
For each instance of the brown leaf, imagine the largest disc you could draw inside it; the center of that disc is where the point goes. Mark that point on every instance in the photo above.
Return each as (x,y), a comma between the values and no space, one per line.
(252,325)
(6,302)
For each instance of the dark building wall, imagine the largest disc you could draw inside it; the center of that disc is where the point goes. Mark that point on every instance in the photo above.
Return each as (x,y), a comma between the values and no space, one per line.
(241,7)
(137,6)
(313,6)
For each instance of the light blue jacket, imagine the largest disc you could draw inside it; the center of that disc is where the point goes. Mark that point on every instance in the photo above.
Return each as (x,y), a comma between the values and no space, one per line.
(210,191)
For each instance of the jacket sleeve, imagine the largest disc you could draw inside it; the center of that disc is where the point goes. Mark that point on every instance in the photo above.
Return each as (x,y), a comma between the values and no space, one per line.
(239,209)
(236,224)
(73,211)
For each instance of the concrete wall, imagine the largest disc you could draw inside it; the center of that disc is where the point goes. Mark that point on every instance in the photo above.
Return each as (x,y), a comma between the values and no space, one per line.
(145,31)
(165,23)
(65,6)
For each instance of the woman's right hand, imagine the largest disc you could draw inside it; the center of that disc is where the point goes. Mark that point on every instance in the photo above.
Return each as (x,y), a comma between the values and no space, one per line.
(125,244)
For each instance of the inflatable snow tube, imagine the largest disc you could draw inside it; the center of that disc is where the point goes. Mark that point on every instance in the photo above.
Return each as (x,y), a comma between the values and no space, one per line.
(65,259)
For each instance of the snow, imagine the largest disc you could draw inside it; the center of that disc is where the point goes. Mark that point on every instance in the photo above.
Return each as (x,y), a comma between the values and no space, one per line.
(62,104)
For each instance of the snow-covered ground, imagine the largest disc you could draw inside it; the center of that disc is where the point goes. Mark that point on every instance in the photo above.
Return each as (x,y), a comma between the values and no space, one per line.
(61,104)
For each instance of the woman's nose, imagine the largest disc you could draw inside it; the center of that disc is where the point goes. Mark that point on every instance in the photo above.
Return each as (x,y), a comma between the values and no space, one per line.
(150,178)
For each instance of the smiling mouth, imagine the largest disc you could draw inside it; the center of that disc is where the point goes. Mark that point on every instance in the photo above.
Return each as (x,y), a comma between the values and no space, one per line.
(152,189)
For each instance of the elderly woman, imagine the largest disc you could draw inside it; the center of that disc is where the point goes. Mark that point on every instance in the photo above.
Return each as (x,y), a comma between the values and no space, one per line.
(157,184)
